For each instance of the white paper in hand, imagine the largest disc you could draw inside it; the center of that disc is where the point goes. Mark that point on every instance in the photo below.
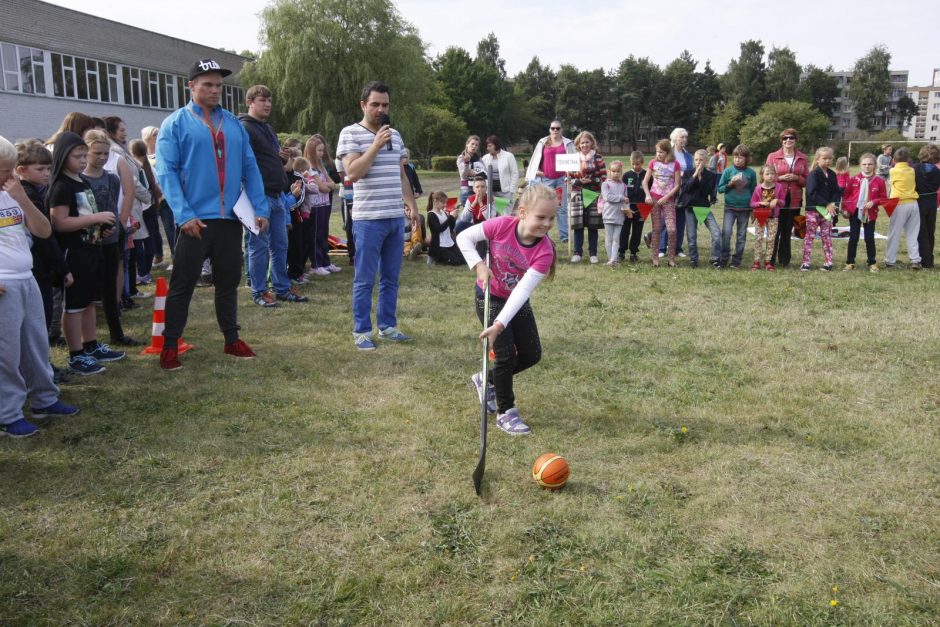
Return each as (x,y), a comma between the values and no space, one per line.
(245,212)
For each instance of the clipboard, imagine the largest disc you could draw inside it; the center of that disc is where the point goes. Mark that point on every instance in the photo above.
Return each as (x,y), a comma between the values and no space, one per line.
(245,212)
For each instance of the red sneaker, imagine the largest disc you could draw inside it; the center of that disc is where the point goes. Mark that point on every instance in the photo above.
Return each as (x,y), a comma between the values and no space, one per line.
(756,266)
(170,359)
(238,348)
(769,267)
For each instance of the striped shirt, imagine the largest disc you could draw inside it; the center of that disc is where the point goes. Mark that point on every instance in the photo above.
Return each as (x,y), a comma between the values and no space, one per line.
(377,195)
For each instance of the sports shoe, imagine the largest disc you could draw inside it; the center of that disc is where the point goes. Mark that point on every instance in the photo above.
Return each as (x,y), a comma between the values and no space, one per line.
(916,266)
(477,380)
(804,267)
(57,409)
(292,296)
(661,255)
(60,375)
(594,259)
(848,267)
(301,280)
(634,258)
(363,342)
(827,268)
(889,264)
(511,423)
(680,254)
(170,359)
(334,268)
(103,352)
(613,263)
(392,334)
(769,267)
(238,348)
(21,428)
(575,258)
(85,365)
(264,299)
(755,267)
(431,261)
(139,294)
(126,340)
(648,239)
(414,252)
(144,280)
(873,268)
(318,272)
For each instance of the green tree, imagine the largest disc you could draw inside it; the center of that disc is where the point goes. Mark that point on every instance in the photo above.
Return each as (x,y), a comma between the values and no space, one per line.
(437,131)
(319,53)
(636,83)
(820,89)
(724,125)
(678,95)
(708,94)
(783,74)
(870,87)
(907,110)
(488,53)
(536,87)
(761,131)
(744,82)
(583,100)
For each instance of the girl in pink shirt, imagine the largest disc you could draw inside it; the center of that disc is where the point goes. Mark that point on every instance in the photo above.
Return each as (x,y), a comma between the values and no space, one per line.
(661,185)
(521,255)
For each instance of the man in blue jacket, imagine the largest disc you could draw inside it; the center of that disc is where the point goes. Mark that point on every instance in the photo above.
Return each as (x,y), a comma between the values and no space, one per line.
(205,159)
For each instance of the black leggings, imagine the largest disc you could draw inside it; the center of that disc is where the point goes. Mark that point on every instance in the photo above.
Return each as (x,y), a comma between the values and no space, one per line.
(518,347)
(631,234)
(112,261)
(855,225)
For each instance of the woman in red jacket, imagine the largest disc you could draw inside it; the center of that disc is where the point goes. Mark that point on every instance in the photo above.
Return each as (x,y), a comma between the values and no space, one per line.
(792,171)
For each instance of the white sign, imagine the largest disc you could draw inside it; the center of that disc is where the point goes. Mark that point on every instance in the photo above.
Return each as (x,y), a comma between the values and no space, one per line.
(245,212)
(567,163)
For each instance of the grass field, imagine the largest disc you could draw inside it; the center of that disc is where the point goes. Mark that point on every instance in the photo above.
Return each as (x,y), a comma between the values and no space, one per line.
(746,448)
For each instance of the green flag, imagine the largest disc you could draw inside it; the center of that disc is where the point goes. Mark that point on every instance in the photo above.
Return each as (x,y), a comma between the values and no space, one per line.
(501,204)
(588,197)
(824,212)
(701,213)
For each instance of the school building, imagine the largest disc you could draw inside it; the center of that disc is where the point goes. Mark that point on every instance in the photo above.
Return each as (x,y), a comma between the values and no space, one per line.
(55,60)
(926,124)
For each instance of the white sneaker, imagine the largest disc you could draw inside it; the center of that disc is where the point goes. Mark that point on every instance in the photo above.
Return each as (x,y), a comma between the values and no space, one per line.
(661,255)
(682,255)
(333,268)
(576,259)
(594,259)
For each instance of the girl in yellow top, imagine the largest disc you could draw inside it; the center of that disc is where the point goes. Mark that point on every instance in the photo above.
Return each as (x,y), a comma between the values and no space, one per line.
(906,215)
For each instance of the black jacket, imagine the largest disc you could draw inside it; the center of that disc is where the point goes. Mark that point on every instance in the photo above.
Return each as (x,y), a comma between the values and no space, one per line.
(701,192)
(49,264)
(267,153)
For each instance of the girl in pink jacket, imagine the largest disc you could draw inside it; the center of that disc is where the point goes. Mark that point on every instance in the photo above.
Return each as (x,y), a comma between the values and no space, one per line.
(769,196)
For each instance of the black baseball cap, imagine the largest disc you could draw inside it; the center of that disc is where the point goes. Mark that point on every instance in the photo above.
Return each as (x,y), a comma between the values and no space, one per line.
(204,66)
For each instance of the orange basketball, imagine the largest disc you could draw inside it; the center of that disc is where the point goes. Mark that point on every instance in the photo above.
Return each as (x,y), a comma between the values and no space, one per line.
(550,471)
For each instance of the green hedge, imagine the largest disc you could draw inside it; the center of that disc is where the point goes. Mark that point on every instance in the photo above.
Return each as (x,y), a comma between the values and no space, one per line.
(444,164)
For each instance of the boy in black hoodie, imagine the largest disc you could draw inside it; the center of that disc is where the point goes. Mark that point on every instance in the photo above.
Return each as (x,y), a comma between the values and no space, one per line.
(700,190)
(33,165)
(79,227)
(632,232)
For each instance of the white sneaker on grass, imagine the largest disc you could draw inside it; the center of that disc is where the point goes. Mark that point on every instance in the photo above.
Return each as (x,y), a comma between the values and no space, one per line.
(511,423)
(477,380)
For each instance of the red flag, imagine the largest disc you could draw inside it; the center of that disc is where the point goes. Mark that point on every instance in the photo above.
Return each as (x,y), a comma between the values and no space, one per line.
(451,203)
(645,209)
(558,192)
(761,214)
(889,205)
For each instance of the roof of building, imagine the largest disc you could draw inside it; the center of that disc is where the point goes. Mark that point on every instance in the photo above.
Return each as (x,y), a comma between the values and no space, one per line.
(59,29)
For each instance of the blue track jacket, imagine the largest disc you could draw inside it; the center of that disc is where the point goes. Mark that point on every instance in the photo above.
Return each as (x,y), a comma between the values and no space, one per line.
(186,167)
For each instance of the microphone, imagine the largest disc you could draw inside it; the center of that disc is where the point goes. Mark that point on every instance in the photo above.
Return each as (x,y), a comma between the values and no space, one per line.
(384,120)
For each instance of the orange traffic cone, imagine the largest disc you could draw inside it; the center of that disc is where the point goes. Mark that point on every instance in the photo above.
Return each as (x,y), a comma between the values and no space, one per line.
(159,318)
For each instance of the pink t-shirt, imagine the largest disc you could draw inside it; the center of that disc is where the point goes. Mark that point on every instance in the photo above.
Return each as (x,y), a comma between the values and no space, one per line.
(664,176)
(510,258)
(548,160)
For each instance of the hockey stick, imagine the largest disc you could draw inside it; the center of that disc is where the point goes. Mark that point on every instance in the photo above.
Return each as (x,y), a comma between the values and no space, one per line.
(481,460)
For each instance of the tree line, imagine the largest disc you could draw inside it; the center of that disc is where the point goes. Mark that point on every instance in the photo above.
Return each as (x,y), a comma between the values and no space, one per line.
(318,54)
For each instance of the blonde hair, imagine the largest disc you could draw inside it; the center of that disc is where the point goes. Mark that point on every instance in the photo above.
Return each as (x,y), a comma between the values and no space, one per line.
(7,151)
(148,131)
(701,152)
(616,164)
(819,152)
(96,136)
(534,194)
(768,168)
(867,155)
(842,164)
(585,135)
(666,146)
(300,164)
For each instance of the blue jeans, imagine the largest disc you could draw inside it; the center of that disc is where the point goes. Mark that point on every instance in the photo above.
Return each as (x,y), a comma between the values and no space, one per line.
(561,217)
(579,242)
(680,229)
(691,231)
(270,246)
(731,218)
(380,245)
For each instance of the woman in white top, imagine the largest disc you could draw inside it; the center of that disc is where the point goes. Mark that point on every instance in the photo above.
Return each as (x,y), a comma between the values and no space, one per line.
(505,169)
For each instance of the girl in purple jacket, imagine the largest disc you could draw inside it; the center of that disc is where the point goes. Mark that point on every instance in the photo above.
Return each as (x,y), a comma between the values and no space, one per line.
(769,195)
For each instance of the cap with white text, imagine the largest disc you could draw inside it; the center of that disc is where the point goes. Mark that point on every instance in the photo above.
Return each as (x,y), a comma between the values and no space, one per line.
(204,66)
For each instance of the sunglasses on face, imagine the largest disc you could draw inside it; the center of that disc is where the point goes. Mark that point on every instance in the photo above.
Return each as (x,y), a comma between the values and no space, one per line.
(789,138)
(554,128)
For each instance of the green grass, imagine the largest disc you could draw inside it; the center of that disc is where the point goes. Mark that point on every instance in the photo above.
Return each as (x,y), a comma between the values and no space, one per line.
(319,485)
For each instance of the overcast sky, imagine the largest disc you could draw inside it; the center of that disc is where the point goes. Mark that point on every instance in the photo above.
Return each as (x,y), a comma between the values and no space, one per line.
(602,35)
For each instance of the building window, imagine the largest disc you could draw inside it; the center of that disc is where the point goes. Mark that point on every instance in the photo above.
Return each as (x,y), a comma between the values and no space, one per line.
(23,69)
